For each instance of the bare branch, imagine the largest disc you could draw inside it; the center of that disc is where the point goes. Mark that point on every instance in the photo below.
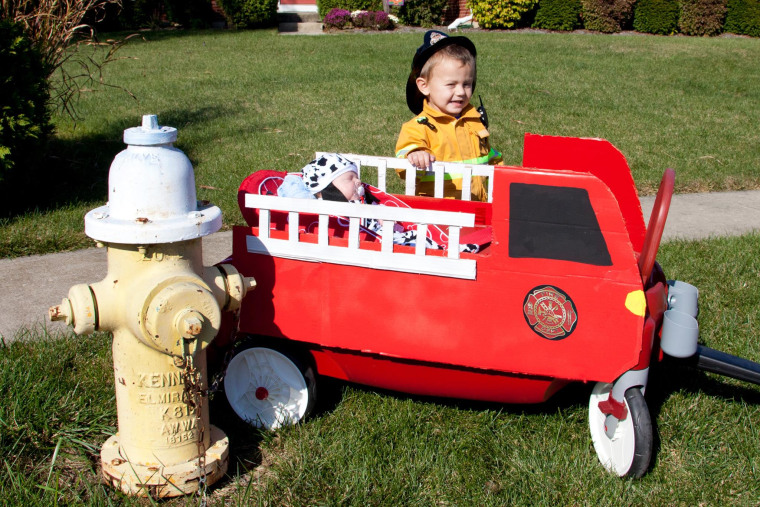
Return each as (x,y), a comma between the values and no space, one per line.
(57,29)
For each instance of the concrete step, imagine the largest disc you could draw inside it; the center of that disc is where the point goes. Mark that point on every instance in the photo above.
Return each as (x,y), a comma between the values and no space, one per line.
(305,28)
(298,17)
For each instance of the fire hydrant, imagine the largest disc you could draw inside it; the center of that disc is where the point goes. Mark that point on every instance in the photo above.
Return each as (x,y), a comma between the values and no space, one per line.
(163,308)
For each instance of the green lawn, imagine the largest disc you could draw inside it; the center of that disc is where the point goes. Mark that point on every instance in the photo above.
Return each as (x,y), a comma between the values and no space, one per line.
(250,100)
(244,101)
(367,447)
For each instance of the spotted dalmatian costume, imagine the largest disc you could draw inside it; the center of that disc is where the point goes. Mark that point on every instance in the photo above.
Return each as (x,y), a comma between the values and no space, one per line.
(318,174)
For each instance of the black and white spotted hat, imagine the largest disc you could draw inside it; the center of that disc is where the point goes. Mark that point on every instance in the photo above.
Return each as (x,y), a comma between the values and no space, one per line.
(319,173)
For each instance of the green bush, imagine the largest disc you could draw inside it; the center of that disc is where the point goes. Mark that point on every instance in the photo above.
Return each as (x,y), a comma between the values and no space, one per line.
(656,16)
(422,12)
(500,13)
(607,16)
(325,6)
(250,13)
(133,14)
(743,17)
(190,13)
(372,20)
(564,15)
(24,95)
(702,17)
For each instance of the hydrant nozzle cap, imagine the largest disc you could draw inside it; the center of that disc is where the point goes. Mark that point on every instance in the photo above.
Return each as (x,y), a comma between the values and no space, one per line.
(150,133)
(61,312)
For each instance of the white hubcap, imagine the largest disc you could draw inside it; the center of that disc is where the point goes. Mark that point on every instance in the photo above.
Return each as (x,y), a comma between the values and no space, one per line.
(615,453)
(265,388)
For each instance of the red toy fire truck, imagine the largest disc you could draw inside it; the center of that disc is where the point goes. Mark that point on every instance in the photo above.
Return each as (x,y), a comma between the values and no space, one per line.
(565,288)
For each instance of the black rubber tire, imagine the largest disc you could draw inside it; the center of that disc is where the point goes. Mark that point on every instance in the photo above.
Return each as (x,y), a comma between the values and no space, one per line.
(643,435)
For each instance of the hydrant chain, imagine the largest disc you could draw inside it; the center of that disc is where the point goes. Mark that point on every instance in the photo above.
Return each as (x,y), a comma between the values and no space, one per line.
(194,393)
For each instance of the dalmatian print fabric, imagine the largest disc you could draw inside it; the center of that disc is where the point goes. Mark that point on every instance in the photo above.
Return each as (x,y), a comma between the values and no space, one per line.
(320,172)
(409,238)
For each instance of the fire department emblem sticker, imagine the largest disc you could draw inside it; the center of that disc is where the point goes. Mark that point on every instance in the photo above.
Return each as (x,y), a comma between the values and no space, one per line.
(550,312)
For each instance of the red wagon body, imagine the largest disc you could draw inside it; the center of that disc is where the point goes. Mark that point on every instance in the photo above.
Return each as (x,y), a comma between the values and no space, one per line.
(443,336)
(556,294)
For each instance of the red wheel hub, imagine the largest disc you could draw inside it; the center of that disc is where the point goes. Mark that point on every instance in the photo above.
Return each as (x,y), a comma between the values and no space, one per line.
(262,393)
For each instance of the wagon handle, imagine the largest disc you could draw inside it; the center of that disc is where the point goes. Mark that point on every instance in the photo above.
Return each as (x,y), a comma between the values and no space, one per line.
(656,224)
(715,361)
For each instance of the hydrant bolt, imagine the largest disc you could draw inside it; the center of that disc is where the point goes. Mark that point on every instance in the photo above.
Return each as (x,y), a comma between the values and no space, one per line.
(189,324)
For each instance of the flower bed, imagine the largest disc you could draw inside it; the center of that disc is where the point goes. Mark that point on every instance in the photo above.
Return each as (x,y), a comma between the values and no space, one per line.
(341,19)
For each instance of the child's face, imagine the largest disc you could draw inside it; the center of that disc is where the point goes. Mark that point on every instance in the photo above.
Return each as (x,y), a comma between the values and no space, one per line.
(448,87)
(348,183)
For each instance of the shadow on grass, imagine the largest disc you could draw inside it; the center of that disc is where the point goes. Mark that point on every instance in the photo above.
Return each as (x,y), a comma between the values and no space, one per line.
(673,375)
(143,36)
(75,171)
(245,452)
(69,172)
(572,395)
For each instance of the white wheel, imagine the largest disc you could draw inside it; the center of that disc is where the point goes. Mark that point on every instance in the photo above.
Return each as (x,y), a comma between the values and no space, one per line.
(268,389)
(628,452)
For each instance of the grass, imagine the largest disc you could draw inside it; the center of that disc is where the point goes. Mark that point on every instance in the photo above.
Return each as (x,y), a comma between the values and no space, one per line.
(244,101)
(251,100)
(372,447)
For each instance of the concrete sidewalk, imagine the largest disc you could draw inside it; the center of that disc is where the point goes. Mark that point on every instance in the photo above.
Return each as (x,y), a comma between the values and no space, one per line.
(30,285)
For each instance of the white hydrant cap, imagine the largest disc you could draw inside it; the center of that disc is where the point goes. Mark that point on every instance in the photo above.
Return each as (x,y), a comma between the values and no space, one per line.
(149,133)
(151,193)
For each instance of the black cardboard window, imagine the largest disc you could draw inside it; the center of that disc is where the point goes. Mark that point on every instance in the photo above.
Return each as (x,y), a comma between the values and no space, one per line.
(548,222)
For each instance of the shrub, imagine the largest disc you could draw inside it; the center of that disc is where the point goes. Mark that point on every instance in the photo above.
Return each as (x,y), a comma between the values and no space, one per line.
(422,12)
(375,20)
(500,13)
(24,94)
(337,18)
(606,16)
(383,21)
(250,13)
(562,15)
(57,30)
(325,6)
(656,16)
(702,17)
(743,17)
(135,14)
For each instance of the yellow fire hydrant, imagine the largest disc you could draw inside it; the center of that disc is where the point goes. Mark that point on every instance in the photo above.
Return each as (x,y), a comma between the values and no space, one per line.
(163,308)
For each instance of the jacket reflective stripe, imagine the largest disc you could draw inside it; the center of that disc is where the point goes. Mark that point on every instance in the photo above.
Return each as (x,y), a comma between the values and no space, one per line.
(403,152)
(455,175)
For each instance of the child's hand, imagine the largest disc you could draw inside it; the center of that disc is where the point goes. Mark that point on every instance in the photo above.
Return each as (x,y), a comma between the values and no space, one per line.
(421,159)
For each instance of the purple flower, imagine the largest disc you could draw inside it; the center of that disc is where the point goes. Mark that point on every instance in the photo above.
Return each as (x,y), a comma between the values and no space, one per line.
(337,18)
(382,21)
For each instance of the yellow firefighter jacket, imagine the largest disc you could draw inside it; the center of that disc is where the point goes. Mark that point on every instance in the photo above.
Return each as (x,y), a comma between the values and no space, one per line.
(449,139)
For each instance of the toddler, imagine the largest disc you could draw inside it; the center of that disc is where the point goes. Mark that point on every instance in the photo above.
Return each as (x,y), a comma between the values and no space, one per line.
(447,127)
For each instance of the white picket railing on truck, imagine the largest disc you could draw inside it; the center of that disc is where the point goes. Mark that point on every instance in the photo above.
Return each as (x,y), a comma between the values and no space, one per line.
(438,170)
(450,265)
